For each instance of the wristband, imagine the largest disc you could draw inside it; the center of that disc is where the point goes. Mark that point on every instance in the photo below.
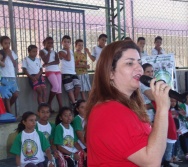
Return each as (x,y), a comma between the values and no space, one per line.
(72,155)
(50,162)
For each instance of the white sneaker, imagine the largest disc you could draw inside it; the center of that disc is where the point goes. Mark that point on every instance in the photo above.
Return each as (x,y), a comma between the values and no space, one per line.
(176,159)
(173,165)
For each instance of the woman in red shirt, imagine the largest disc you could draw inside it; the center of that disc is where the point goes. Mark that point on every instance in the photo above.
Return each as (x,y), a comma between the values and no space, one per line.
(118,132)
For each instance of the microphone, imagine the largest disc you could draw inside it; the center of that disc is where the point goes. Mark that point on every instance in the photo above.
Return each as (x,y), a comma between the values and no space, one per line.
(172,94)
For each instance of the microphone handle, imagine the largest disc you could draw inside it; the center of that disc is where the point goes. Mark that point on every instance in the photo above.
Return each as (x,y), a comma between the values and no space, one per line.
(175,95)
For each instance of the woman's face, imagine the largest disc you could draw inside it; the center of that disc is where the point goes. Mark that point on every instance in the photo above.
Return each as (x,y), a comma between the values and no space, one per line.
(128,71)
(149,72)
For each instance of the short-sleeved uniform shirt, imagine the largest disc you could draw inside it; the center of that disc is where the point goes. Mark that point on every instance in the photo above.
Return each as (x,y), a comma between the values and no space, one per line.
(30,147)
(78,125)
(96,51)
(65,137)
(32,66)
(48,130)
(8,70)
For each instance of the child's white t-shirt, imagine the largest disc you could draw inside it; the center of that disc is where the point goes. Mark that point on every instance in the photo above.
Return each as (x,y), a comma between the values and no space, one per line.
(96,52)
(9,70)
(54,67)
(68,67)
(45,129)
(144,53)
(32,66)
(68,137)
(31,146)
(155,52)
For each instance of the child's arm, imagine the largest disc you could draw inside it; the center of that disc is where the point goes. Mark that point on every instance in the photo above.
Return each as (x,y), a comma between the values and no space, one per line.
(18,163)
(54,62)
(29,76)
(82,66)
(63,55)
(45,58)
(54,149)
(64,151)
(2,64)
(89,54)
(80,135)
(9,53)
(39,74)
(49,155)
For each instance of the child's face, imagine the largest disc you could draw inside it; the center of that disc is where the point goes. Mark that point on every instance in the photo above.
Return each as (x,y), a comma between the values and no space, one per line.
(173,102)
(81,108)
(33,52)
(149,72)
(79,46)
(49,44)
(44,113)
(158,43)
(66,117)
(141,43)
(6,44)
(66,43)
(30,122)
(102,42)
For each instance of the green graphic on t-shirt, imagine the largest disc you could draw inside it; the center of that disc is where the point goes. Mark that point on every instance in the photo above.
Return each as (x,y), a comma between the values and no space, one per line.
(68,141)
(46,134)
(29,149)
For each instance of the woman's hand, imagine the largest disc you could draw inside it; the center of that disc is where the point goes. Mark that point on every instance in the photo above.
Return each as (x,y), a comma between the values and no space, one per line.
(160,91)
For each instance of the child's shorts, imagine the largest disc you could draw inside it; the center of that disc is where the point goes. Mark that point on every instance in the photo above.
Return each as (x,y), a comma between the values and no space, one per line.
(36,84)
(70,81)
(85,82)
(12,80)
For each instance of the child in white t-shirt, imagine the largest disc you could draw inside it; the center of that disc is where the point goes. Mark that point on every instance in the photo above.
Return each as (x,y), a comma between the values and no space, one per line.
(79,123)
(29,145)
(32,67)
(52,71)
(65,138)
(70,79)
(97,49)
(141,43)
(46,127)
(157,50)
(8,71)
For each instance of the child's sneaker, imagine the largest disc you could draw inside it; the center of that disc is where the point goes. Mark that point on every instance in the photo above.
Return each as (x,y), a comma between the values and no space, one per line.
(173,165)
(176,159)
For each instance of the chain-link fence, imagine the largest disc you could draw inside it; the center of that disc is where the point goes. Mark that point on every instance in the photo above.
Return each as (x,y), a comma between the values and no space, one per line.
(165,18)
(35,21)
(87,19)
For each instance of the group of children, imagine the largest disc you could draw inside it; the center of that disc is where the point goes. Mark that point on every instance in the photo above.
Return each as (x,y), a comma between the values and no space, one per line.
(177,136)
(41,143)
(66,137)
(66,66)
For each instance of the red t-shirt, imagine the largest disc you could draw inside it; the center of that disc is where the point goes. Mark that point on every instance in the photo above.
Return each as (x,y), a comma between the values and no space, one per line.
(114,132)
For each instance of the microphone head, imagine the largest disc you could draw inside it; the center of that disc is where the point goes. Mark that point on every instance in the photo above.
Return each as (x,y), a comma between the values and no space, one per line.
(145,80)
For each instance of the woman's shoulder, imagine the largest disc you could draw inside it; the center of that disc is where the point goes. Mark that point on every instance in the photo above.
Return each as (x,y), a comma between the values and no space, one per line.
(109,104)
(110,107)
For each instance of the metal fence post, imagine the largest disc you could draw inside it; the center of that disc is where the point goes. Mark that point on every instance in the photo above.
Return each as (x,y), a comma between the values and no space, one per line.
(13,39)
(12,26)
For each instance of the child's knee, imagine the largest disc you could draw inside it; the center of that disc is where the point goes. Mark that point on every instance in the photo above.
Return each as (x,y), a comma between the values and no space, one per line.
(15,94)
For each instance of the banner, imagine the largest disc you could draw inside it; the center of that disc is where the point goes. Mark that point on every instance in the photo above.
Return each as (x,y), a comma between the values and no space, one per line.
(164,68)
